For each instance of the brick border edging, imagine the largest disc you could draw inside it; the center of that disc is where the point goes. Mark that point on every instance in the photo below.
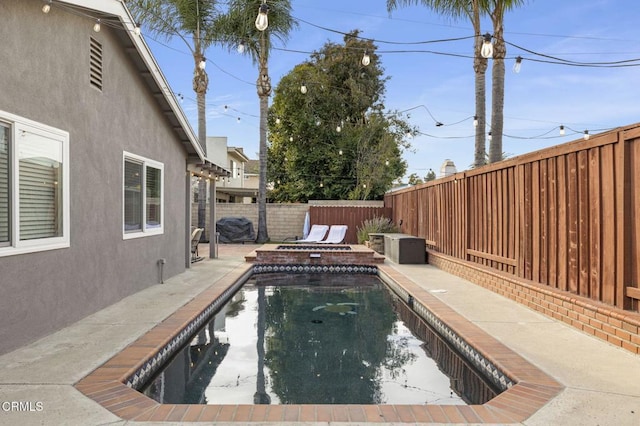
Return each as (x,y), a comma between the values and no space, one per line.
(616,326)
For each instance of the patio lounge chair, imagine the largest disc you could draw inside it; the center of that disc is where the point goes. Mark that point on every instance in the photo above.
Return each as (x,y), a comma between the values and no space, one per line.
(316,234)
(336,234)
(195,239)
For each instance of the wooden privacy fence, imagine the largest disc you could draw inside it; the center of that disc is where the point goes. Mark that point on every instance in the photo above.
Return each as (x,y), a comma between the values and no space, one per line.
(352,216)
(565,217)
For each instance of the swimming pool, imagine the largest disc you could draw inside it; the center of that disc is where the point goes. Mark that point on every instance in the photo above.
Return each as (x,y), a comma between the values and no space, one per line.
(305,338)
(113,384)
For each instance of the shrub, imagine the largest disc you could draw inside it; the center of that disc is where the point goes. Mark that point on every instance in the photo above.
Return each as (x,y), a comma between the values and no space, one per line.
(375,226)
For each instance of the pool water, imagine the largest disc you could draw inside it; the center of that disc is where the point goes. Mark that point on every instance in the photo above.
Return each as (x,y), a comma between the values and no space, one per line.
(317,339)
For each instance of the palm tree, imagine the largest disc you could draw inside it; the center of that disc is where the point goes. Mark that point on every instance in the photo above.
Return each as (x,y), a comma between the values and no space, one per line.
(496,10)
(237,29)
(472,9)
(191,21)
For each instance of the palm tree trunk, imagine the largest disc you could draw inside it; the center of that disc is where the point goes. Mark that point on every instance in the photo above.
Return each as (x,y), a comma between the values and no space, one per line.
(480,69)
(200,85)
(263,86)
(497,95)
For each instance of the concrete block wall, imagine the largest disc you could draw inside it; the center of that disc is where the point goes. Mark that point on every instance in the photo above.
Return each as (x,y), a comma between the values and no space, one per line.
(284,221)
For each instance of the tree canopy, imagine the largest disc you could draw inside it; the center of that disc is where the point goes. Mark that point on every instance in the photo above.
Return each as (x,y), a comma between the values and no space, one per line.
(330,137)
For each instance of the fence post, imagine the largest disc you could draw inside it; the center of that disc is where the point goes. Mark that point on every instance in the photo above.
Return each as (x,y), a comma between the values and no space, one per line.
(622,237)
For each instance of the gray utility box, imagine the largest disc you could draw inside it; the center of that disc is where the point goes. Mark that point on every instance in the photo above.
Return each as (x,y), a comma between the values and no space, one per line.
(403,248)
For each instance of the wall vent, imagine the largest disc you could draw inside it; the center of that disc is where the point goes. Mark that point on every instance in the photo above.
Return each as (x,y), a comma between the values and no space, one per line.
(95,63)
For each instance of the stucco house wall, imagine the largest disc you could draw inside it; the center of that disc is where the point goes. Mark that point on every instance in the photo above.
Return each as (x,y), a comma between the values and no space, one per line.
(44,76)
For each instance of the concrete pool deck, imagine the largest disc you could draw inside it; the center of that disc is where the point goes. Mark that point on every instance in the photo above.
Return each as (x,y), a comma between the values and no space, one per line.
(601,382)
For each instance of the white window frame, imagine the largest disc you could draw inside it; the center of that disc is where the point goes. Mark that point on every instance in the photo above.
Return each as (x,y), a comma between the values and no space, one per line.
(19,126)
(145,231)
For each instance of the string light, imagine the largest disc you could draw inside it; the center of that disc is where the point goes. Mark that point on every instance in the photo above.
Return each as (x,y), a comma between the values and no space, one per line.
(262,21)
(475,121)
(136,30)
(561,130)
(303,89)
(46,7)
(586,135)
(366,59)
(487,48)
(96,26)
(241,47)
(203,63)
(518,65)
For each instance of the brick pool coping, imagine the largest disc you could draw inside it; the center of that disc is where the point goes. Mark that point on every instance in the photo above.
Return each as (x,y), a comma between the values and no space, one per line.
(106,384)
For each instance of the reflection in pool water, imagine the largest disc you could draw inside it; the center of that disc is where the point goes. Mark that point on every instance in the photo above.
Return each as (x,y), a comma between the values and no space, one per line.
(317,339)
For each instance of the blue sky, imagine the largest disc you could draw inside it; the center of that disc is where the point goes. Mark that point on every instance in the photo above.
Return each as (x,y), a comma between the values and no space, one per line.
(538,100)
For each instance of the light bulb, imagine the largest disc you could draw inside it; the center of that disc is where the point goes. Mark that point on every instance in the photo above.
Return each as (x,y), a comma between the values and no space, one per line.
(386,163)
(290,138)
(96,26)
(340,152)
(137,30)
(586,135)
(338,128)
(277,120)
(475,121)
(262,21)
(487,48)
(238,119)
(561,130)
(517,65)
(489,135)
(366,59)
(364,185)
(47,7)
(318,122)
(321,184)
(203,63)
(303,89)
(241,47)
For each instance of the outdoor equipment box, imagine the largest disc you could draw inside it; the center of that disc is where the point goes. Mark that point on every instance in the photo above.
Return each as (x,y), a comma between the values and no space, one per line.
(405,249)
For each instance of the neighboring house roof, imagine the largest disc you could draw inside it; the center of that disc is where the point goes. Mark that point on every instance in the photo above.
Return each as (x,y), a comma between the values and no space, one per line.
(237,152)
(115,14)
(252,167)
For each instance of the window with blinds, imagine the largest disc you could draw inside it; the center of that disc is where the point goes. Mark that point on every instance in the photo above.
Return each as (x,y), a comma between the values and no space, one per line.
(143,196)
(34,199)
(40,161)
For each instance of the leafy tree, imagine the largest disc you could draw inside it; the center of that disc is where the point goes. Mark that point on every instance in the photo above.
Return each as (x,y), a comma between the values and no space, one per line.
(329,136)
(431,175)
(471,9)
(237,28)
(191,21)
(414,179)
